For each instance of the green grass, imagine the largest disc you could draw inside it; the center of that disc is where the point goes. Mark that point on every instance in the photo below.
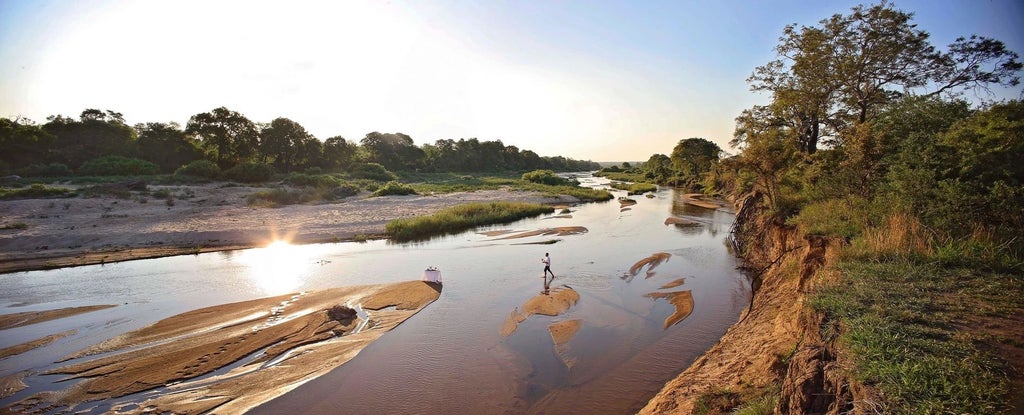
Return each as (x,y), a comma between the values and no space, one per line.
(14,225)
(35,191)
(907,327)
(635,188)
(460,218)
(585,194)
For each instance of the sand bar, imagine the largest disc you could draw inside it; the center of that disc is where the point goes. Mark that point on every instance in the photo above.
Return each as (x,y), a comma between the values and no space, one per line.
(268,346)
(202,218)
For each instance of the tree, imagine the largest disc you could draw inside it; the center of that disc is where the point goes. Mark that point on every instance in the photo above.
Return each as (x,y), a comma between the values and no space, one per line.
(282,144)
(95,134)
(167,145)
(229,136)
(23,143)
(828,77)
(394,151)
(694,156)
(338,153)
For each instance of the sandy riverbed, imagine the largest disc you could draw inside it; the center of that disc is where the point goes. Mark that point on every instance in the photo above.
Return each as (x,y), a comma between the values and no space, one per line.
(202,218)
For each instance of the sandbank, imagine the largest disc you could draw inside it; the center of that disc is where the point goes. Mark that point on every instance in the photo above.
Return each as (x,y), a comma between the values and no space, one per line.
(10,321)
(202,218)
(232,357)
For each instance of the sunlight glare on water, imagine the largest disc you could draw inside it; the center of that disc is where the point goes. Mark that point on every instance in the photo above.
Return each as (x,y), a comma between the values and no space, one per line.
(277,268)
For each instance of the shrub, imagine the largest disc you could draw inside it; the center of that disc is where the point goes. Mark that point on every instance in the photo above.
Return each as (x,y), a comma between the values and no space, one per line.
(199,168)
(547,177)
(343,190)
(250,172)
(35,191)
(117,166)
(394,188)
(372,171)
(46,170)
(320,181)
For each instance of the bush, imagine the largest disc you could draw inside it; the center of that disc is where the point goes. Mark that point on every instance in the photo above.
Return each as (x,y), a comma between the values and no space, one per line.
(373,171)
(394,188)
(35,191)
(342,191)
(46,170)
(320,181)
(547,177)
(199,168)
(117,166)
(250,172)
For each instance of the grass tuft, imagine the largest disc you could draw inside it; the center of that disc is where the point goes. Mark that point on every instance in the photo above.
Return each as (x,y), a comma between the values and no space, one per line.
(635,188)
(460,218)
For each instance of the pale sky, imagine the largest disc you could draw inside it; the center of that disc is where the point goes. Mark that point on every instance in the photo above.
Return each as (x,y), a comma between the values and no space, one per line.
(597,80)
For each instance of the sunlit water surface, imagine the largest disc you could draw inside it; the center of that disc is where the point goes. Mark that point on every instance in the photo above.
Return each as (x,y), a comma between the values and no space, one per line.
(451,357)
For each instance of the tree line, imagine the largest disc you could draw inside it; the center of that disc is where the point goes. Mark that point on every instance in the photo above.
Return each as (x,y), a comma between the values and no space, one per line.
(63,145)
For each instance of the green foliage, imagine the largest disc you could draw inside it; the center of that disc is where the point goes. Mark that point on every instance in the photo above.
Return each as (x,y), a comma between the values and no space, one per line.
(227,136)
(394,188)
(117,166)
(46,170)
(166,145)
(323,181)
(635,188)
(95,135)
(901,326)
(582,193)
(199,168)
(250,172)
(547,177)
(692,158)
(460,218)
(372,171)
(845,217)
(35,191)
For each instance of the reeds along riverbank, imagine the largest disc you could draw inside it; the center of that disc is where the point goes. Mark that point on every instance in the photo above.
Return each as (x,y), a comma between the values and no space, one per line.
(460,218)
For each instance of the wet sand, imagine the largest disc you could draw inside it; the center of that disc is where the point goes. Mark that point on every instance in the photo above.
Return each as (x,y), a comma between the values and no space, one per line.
(10,321)
(232,357)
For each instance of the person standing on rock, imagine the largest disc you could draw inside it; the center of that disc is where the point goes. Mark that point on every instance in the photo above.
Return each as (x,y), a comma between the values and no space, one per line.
(547,266)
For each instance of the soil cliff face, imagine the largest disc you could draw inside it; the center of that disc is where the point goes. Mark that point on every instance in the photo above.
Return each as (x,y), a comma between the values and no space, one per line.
(777,342)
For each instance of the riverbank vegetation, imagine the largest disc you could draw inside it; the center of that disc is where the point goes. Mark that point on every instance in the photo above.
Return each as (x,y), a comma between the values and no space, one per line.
(867,139)
(224,144)
(460,218)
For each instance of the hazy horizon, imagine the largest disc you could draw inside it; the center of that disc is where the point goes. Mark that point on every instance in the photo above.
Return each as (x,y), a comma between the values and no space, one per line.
(607,82)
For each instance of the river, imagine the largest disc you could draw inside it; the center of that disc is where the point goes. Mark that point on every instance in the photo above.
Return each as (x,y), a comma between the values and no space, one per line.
(451,357)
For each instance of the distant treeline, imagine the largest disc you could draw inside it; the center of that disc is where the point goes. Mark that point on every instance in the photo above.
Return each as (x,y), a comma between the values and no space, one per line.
(65,146)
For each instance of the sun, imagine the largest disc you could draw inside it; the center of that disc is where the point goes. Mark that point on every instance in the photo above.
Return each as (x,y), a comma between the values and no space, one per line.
(278,268)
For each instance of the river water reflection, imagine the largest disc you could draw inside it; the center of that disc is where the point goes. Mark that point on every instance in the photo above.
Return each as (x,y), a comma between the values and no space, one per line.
(452,357)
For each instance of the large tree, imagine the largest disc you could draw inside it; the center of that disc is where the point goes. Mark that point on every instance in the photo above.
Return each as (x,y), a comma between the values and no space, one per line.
(829,77)
(338,153)
(394,151)
(228,135)
(95,134)
(283,144)
(23,143)
(166,145)
(693,156)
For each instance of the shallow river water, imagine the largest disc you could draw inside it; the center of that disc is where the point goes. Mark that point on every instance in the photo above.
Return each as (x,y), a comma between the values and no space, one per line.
(451,357)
